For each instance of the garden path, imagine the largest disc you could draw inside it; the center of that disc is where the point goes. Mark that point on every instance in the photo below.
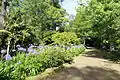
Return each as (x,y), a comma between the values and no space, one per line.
(90,66)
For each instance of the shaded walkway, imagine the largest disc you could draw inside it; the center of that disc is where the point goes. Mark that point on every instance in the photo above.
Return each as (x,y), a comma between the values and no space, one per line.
(86,73)
(88,67)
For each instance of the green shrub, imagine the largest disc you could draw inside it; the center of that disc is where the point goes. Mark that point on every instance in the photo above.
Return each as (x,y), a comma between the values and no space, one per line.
(58,57)
(76,51)
(65,38)
(3,75)
(22,66)
(47,37)
(113,56)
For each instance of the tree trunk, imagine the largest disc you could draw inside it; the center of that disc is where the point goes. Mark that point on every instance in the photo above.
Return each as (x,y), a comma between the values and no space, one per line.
(3,13)
(84,41)
(8,47)
(4,7)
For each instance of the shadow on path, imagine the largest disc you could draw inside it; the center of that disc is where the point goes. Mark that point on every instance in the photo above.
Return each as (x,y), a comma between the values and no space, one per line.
(94,53)
(85,73)
(90,66)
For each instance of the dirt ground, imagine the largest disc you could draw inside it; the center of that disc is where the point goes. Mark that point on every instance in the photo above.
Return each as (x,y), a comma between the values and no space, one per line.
(90,66)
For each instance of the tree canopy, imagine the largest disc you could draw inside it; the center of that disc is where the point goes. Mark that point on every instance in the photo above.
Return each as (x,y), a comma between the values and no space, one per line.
(27,20)
(99,19)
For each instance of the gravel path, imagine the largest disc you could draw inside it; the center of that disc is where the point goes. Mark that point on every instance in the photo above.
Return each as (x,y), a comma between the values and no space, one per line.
(89,67)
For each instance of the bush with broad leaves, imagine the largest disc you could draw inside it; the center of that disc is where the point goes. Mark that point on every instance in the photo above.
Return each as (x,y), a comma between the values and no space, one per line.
(65,38)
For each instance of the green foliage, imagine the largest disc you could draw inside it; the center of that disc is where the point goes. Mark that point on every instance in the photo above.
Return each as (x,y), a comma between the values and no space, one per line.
(54,57)
(28,20)
(99,19)
(106,17)
(65,38)
(113,56)
(22,66)
(47,37)
(81,25)
(76,51)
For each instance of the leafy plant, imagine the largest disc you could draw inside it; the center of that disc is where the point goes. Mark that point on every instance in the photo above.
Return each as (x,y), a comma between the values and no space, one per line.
(47,37)
(24,65)
(65,38)
(113,56)
(75,51)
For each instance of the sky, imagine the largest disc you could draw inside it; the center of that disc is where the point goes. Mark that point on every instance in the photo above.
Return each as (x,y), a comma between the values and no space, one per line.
(70,6)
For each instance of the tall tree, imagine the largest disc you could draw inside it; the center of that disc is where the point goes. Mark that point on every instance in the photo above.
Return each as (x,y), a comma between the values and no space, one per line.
(82,23)
(34,18)
(102,19)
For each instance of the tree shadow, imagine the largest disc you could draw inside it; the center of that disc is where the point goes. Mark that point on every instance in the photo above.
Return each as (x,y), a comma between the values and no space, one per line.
(85,73)
(96,53)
